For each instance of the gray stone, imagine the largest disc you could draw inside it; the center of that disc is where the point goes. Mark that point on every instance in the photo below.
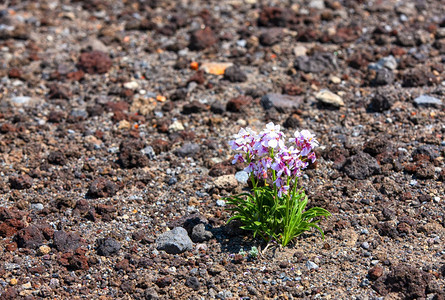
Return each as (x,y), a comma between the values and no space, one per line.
(174,241)
(361,166)
(311,265)
(282,103)
(425,100)
(37,206)
(317,63)
(242,177)
(107,247)
(200,234)
(188,150)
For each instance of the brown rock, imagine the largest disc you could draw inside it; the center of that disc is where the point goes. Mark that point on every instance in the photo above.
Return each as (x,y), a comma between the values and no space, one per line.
(238,104)
(375,272)
(95,62)
(102,187)
(202,38)
(21,182)
(29,237)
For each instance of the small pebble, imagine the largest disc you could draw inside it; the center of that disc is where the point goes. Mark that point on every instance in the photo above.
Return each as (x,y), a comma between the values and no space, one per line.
(44,249)
(365,245)
(221,203)
(13,281)
(311,265)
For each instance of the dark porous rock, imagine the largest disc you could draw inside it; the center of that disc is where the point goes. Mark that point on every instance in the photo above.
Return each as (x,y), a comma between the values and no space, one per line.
(58,91)
(282,103)
(94,62)
(193,283)
(102,187)
(376,146)
(21,182)
(65,242)
(189,221)
(238,104)
(107,246)
(57,158)
(293,121)
(276,16)
(361,166)
(174,241)
(337,155)
(194,107)
(383,76)
(415,78)
(318,63)
(387,229)
(163,282)
(200,234)
(412,282)
(271,36)
(130,155)
(202,38)
(217,107)
(9,293)
(235,74)
(30,237)
(381,102)
(188,150)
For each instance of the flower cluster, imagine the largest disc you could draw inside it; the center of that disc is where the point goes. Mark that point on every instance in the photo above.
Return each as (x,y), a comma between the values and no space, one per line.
(267,155)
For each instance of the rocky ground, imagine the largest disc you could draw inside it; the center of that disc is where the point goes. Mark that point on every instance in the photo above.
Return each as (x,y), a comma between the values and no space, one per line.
(114,123)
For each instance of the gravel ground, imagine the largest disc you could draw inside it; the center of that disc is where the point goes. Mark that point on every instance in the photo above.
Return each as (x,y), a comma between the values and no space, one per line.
(114,123)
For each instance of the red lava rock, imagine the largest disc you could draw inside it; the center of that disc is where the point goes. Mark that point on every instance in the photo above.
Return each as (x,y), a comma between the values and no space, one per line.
(56,116)
(105,211)
(160,146)
(94,62)
(276,16)
(163,282)
(76,76)
(387,229)
(57,158)
(102,187)
(123,265)
(10,221)
(408,280)
(346,34)
(202,39)
(193,107)
(239,103)
(292,89)
(375,272)
(14,73)
(30,237)
(130,155)
(235,74)
(57,91)
(21,182)
(75,260)
(198,77)
(6,127)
